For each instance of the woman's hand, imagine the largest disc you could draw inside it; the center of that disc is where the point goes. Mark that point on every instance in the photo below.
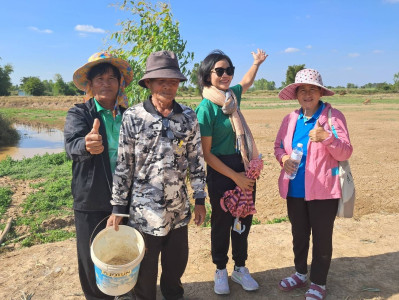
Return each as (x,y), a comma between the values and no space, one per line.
(289,165)
(244,182)
(114,221)
(259,56)
(318,134)
(249,77)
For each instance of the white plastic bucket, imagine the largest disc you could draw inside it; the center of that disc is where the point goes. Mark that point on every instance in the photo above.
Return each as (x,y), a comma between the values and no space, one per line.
(117,256)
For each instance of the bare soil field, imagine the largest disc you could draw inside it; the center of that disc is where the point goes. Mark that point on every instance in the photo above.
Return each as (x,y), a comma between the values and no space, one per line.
(366,250)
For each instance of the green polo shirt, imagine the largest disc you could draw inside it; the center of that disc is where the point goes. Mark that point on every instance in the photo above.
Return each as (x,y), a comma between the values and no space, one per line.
(112,127)
(214,123)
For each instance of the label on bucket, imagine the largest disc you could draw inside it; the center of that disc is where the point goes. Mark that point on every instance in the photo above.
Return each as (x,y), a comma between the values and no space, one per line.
(118,283)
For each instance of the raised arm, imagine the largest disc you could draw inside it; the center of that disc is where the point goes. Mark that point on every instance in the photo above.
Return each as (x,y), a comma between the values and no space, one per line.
(249,77)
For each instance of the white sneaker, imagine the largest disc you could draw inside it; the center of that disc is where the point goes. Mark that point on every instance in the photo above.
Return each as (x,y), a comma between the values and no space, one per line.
(243,277)
(221,282)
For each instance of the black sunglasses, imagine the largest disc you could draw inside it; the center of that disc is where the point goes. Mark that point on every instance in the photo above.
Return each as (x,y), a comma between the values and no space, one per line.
(166,128)
(220,71)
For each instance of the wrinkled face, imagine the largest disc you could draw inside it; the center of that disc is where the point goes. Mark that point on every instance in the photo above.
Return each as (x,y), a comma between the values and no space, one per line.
(163,89)
(308,96)
(105,88)
(223,82)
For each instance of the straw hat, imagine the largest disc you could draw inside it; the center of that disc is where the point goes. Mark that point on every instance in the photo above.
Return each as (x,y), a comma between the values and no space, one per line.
(162,64)
(305,76)
(80,75)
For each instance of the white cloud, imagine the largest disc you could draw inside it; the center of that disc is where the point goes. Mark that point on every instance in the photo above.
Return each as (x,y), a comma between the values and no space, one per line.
(378,51)
(291,50)
(309,46)
(48,31)
(89,28)
(353,54)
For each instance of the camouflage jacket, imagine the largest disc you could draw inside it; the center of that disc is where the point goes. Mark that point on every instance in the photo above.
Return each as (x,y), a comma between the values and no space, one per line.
(152,168)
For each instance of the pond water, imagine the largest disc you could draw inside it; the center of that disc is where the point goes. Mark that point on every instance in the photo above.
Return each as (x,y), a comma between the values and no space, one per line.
(34,140)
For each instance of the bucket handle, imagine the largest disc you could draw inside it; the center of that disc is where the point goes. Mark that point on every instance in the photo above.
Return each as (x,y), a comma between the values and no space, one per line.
(118,215)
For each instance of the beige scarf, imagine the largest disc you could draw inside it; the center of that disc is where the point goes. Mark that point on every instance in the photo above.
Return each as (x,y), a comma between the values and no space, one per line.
(228,102)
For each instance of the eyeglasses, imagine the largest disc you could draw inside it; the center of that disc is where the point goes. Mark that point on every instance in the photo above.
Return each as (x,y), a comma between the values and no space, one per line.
(220,71)
(166,128)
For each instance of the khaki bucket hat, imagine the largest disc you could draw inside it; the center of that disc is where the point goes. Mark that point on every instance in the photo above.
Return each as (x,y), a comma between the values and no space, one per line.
(162,64)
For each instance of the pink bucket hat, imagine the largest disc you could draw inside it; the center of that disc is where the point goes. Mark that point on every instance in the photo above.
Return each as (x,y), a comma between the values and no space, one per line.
(305,76)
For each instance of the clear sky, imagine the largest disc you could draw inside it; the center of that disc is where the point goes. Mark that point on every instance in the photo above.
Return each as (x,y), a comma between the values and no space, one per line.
(348,41)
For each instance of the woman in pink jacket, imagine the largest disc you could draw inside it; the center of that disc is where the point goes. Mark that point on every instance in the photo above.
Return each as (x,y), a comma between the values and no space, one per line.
(312,196)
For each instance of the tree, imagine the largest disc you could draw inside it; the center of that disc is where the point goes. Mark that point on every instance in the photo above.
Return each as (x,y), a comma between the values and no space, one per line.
(48,87)
(396,81)
(291,73)
(351,86)
(153,30)
(5,80)
(194,77)
(33,86)
(263,84)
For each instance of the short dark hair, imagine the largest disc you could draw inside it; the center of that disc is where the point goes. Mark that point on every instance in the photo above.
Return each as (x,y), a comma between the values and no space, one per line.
(207,65)
(101,69)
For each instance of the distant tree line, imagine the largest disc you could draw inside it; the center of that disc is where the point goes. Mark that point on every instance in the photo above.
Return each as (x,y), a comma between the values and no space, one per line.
(58,87)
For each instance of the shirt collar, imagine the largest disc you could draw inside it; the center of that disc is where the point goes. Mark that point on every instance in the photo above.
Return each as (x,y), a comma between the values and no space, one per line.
(148,106)
(99,108)
(316,115)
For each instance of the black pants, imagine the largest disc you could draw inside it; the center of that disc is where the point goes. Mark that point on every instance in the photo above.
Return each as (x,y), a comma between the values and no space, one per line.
(85,223)
(174,255)
(221,221)
(316,217)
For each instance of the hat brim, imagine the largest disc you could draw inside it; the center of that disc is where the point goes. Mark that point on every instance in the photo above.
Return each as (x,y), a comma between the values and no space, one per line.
(164,73)
(80,75)
(289,92)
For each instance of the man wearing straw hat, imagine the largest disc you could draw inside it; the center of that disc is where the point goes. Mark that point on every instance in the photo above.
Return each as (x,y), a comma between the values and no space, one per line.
(159,146)
(91,136)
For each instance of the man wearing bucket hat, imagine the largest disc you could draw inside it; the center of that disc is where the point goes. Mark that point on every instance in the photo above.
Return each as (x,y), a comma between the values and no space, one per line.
(159,147)
(312,196)
(91,137)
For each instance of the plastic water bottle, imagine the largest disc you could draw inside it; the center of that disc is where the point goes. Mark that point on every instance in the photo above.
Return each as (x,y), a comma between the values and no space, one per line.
(296,156)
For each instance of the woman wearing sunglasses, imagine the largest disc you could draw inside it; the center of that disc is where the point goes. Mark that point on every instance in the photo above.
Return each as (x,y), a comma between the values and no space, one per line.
(225,153)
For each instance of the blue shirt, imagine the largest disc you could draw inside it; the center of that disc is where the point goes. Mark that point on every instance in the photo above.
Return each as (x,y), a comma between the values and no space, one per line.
(296,187)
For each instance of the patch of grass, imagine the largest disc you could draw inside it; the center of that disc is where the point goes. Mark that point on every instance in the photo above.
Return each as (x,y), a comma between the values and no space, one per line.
(50,236)
(52,197)
(5,199)
(46,116)
(255,221)
(46,166)
(278,220)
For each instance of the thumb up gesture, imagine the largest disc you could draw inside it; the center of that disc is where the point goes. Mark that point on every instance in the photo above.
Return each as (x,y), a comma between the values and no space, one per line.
(318,134)
(94,141)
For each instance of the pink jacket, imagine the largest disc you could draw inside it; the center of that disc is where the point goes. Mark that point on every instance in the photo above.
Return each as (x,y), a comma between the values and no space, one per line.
(322,158)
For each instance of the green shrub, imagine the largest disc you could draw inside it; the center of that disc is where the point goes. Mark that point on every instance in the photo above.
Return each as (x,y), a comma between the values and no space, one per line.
(9,136)
(5,199)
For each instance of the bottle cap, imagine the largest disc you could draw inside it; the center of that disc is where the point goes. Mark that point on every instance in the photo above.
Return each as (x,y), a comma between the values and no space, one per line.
(300,145)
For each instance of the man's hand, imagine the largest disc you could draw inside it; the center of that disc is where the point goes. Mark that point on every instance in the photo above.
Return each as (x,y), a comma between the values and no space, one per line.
(114,221)
(94,141)
(199,213)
